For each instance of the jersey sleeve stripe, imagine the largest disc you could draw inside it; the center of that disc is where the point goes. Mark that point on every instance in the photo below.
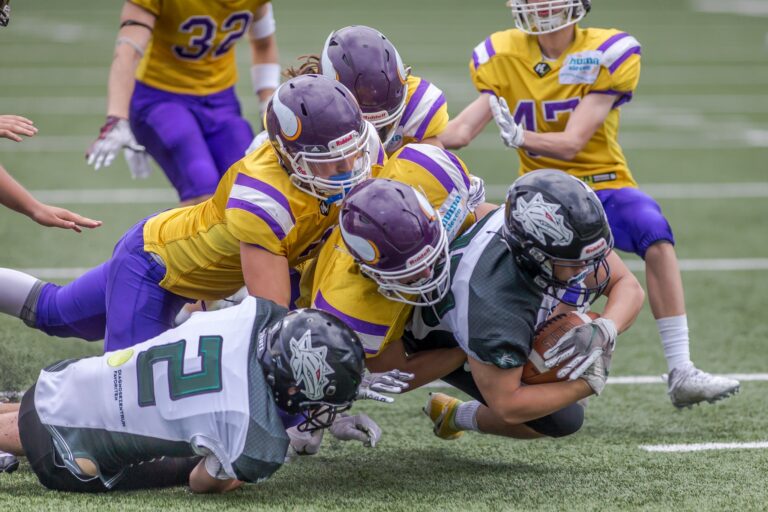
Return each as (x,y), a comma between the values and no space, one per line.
(611,41)
(414,101)
(430,115)
(258,211)
(430,165)
(265,188)
(358,325)
(459,167)
(635,50)
(623,97)
(380,157)
(265,203)
(483,53)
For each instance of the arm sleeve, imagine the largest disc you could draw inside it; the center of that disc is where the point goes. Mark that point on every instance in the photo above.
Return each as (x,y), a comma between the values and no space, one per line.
(481,68)
(152,6)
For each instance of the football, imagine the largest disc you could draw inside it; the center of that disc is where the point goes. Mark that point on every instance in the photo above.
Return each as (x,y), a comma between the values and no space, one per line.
(547,335)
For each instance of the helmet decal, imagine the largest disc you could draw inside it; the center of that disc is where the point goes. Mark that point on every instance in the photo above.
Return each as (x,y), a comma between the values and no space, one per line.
(290,125)
(594,249)
(540,219)
(309,366)
(401,71)
(365,249)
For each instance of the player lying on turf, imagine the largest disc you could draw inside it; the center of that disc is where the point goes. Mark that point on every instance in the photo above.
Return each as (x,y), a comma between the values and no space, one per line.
(403,108)
(269,213)
(566,85)
(209,388)
(549,243)
(171,85)
(14,196)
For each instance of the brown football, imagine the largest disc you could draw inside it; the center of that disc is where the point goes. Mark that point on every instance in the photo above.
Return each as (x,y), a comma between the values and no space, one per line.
(547,335)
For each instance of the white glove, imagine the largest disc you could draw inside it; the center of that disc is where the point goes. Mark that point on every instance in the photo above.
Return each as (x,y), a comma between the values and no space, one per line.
(597,373)
(257,141)
(392,382)
(114,135)
(356,428)
(476,192)
(583,345)
(138,163)
(512,134)
(303,443)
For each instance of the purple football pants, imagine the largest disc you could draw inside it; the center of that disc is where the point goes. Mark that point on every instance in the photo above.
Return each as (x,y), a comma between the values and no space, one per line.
(194,139)
(119,301)
(635,219)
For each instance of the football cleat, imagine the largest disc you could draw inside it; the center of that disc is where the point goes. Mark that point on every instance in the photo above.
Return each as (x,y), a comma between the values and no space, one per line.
(687,386)
(8,463)
(441,409)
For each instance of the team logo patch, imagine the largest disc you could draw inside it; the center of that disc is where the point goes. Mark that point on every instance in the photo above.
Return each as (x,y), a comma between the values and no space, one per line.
(542,68)
(309,366)
(541,220)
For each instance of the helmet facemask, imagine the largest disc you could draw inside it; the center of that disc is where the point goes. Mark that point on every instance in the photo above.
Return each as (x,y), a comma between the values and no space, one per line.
(537,18)
(575,291)
(303,165)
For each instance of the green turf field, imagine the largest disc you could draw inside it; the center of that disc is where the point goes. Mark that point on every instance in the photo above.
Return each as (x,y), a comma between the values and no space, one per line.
(700,116)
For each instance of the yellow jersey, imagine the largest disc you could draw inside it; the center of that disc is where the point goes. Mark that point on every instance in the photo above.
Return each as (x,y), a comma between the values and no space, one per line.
(425,114)
(255,203)
(334,282)
(542,93)
(192,46)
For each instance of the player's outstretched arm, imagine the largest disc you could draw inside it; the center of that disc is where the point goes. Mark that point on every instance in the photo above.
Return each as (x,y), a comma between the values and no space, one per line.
(462,129)
(266,275)
(426,366)
(16,197)
(265,70)
(13,127)
(625,295)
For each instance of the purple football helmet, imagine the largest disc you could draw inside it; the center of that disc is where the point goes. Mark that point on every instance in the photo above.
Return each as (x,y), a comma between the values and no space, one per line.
(318,131)
(398,240)
(367,63)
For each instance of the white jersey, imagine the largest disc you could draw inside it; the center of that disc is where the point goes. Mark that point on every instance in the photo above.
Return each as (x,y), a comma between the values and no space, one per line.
(195,389)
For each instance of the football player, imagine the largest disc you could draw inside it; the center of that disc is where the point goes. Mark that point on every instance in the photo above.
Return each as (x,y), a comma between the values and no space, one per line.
(389,252)
(565,85)
(171,89)
(5,12)
(269,213)
(210,388)
(404,108)
(550,243)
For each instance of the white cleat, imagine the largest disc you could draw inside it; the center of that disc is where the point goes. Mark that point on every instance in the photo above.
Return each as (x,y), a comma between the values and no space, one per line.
(687,386)
(8,463)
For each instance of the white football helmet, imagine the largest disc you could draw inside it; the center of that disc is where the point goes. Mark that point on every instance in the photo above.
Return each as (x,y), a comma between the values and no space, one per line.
(542,17)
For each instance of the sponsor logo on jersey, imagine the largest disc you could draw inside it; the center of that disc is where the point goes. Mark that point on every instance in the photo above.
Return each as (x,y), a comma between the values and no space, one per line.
(542,68)
(120,357)
(453,211)
(309,366)
(541,220)
(581,68)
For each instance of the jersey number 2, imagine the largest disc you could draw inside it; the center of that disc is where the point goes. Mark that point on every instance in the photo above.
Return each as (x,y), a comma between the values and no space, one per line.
(180,383)
(203,33)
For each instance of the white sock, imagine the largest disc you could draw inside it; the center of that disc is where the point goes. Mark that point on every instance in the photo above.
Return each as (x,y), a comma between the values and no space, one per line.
(674,339)
(14,290)
(466,416)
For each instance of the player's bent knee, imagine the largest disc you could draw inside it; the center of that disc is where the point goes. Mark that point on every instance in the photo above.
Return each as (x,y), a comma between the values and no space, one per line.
(562,423)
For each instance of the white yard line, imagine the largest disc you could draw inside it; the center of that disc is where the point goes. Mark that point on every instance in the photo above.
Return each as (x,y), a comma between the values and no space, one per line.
(679,190)
(646,379)
(698,447)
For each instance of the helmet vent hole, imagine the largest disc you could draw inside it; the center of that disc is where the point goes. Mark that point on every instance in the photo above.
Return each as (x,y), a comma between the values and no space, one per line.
(303,109)
(386,52)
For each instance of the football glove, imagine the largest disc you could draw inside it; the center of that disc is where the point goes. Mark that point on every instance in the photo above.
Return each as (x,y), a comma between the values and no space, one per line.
(596,374)
(303,443)
(583,345)
(512,134)
(359,427)
(114,135)
(476,192)
(392,382)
